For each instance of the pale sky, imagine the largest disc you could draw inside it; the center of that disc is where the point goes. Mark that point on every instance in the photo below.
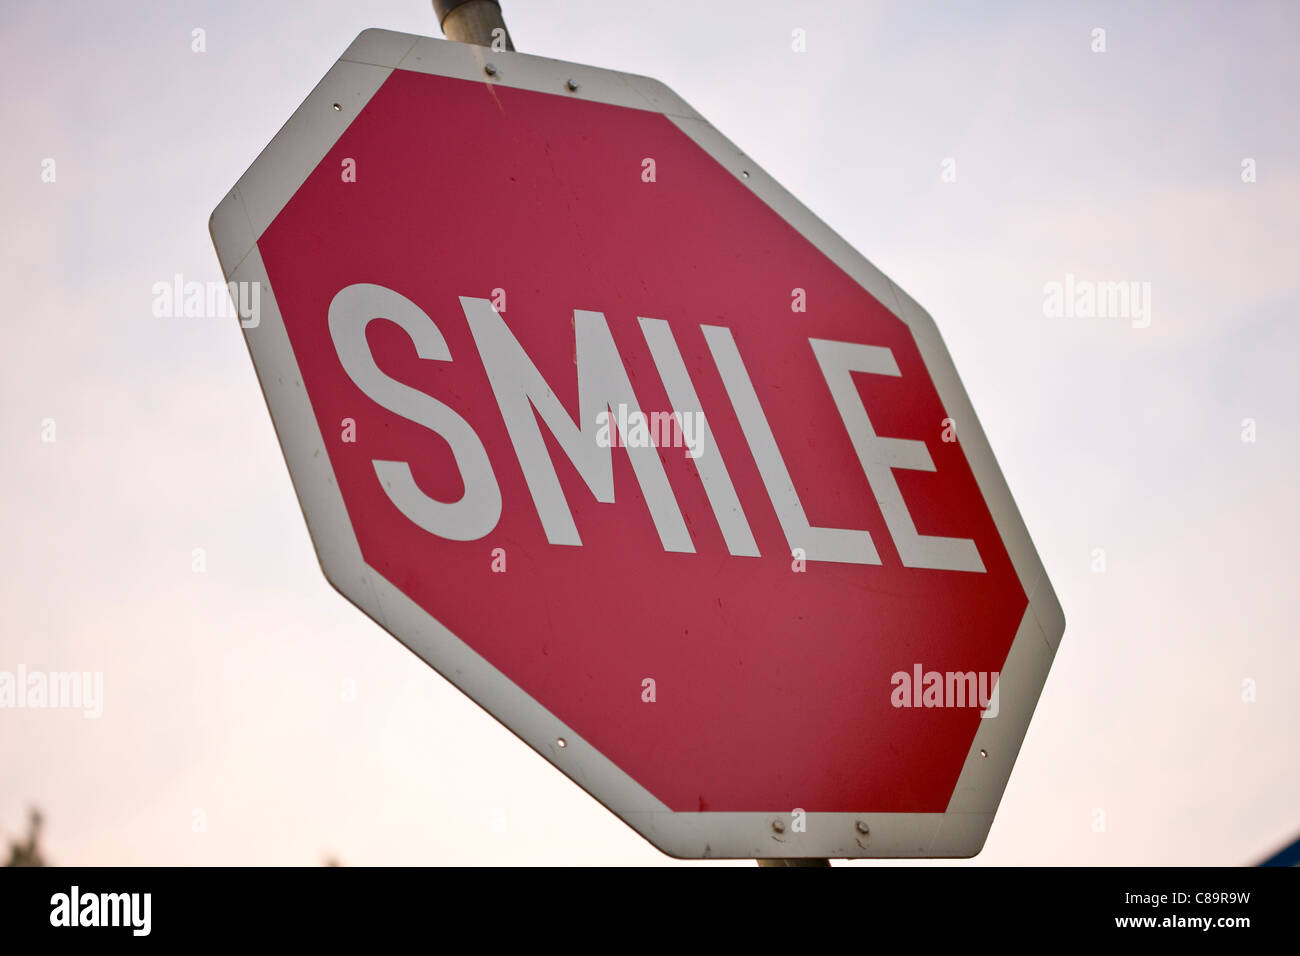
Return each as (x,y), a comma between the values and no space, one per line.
(224,692)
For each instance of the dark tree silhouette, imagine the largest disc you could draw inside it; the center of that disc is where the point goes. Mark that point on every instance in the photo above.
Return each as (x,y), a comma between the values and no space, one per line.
(27,852)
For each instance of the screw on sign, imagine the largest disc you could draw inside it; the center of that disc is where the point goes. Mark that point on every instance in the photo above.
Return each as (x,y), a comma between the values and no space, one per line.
(640,455)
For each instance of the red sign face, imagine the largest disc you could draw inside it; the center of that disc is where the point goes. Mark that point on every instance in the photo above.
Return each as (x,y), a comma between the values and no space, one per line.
(598,409)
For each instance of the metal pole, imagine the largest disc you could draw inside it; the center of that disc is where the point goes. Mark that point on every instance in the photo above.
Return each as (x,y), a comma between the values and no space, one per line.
(778,861)
(474,21)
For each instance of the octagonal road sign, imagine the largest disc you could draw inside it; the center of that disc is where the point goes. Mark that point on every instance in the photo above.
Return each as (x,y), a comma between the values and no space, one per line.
(600,422)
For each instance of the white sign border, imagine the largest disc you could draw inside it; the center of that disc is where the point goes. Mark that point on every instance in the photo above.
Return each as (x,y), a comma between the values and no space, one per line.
(245,213)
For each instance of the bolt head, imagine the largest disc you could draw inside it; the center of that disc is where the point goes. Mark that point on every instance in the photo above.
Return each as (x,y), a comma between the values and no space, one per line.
(778,826)
(863,828)
(490,69)
(572,84)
